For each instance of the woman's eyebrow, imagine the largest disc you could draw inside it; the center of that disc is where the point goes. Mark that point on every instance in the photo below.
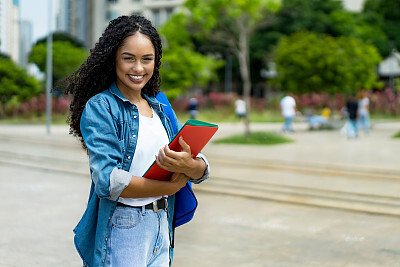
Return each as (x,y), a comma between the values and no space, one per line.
(127,53)
(130,54)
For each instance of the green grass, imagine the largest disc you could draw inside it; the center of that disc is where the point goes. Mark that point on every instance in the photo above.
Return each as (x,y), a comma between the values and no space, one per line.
(56,119)
(256,138)
(384,116)
(397,135)
(227,114)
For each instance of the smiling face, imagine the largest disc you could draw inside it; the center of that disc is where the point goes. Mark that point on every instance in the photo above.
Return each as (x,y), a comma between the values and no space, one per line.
(134,64)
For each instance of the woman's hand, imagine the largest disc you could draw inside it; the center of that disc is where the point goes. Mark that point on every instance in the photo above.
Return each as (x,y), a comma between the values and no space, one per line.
(182,161)
(176,161)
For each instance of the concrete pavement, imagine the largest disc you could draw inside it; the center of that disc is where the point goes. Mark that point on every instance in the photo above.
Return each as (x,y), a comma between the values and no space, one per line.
(321,168)
(44,183)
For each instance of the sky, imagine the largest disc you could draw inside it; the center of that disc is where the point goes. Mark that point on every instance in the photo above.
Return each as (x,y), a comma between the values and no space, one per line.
(36,11)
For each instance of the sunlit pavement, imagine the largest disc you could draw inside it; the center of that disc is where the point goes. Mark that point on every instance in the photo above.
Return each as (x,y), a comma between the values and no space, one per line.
(276,216)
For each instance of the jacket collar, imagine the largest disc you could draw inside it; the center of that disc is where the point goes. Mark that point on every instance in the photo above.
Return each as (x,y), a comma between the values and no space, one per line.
(153,102)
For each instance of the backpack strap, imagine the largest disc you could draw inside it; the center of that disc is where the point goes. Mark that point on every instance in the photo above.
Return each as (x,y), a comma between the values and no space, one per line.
(185,200)
(162,98)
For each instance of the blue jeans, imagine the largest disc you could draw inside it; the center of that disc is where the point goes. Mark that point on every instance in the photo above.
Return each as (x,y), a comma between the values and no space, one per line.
(138,237)
(287,125)
(364,122)
(352,130)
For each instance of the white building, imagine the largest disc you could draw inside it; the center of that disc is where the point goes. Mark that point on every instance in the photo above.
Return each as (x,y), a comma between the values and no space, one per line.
(25,41)
(353,5)
(62,23)
(390,66)
(87,19)
(9,28)
(158,11)
(83,19)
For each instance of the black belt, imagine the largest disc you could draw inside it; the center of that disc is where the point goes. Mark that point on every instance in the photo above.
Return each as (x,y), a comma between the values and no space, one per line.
(156,205)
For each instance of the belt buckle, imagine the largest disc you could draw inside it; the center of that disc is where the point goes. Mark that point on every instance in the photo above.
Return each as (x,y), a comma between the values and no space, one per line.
(155,205)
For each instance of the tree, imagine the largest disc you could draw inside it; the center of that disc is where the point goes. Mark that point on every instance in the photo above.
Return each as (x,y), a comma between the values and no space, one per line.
(232,23)
(15,85)
(321,16)
(309,62)
(182,66)
(383,18)
(67,57)
(370,29)
(64,37)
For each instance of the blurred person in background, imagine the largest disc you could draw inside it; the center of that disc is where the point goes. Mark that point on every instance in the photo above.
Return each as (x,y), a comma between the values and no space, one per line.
(352,115)
(240,108)
(193,107)
(363,113)
(317,121)
(288,109)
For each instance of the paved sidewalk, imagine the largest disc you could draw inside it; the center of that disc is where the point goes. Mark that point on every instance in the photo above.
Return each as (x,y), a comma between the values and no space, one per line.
(374,151)
(44,183)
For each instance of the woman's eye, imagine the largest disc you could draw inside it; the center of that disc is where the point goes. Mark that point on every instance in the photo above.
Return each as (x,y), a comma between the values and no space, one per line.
(129,59)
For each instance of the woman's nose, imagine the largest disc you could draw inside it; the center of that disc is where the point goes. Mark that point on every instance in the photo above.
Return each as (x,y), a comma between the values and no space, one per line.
(138,66)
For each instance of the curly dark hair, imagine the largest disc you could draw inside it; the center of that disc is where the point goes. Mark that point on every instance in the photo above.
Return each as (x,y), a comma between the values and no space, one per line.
(98,72)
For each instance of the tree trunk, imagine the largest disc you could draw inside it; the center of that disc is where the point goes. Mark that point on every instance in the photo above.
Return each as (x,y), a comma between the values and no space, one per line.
(3,109)
(243,56)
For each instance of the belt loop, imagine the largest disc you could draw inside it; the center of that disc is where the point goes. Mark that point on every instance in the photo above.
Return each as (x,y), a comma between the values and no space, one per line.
(155,206)
(143,210)
(166,203)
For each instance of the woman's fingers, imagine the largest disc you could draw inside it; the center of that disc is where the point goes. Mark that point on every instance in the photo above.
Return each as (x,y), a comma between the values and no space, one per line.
(175,161)
(185,147)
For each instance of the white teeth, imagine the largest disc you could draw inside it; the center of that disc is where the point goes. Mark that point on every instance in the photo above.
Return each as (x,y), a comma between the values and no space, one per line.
(136,77)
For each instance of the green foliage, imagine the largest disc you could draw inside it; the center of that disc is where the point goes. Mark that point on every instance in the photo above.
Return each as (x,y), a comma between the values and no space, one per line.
(309,62)
(225,20)
(384,17)
(397,85)
(63,37)
(231,23)
(322,16)
(15,85)
(66,58)
(2,55)
(182,66)
(255,138)
(397,135)
(370,29)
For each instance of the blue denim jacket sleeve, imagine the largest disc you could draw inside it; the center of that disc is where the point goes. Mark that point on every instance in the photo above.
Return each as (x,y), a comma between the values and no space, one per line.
(98,127)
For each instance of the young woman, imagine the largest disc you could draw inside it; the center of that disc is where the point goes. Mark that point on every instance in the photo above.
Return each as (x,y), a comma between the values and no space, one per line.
(122,126)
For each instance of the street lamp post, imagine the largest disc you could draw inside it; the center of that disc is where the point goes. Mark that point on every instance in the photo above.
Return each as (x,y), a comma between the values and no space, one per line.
(49,70)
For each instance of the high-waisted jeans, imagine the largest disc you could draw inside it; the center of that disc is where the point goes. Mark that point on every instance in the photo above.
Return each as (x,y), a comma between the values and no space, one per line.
(138,237)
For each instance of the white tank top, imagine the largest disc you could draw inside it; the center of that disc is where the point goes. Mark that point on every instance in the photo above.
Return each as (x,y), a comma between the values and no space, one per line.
(151,137)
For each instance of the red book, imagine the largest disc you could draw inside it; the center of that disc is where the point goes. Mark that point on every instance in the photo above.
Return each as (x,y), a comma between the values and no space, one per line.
(196,134)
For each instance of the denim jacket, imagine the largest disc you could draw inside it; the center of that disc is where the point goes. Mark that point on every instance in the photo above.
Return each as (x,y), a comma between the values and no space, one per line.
(109,126)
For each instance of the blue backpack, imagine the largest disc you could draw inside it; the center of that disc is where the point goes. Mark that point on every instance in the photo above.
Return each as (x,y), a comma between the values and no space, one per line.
(185,200)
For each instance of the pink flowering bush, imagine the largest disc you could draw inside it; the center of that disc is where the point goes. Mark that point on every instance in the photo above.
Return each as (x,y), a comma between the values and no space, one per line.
(382,101)
(37,105)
